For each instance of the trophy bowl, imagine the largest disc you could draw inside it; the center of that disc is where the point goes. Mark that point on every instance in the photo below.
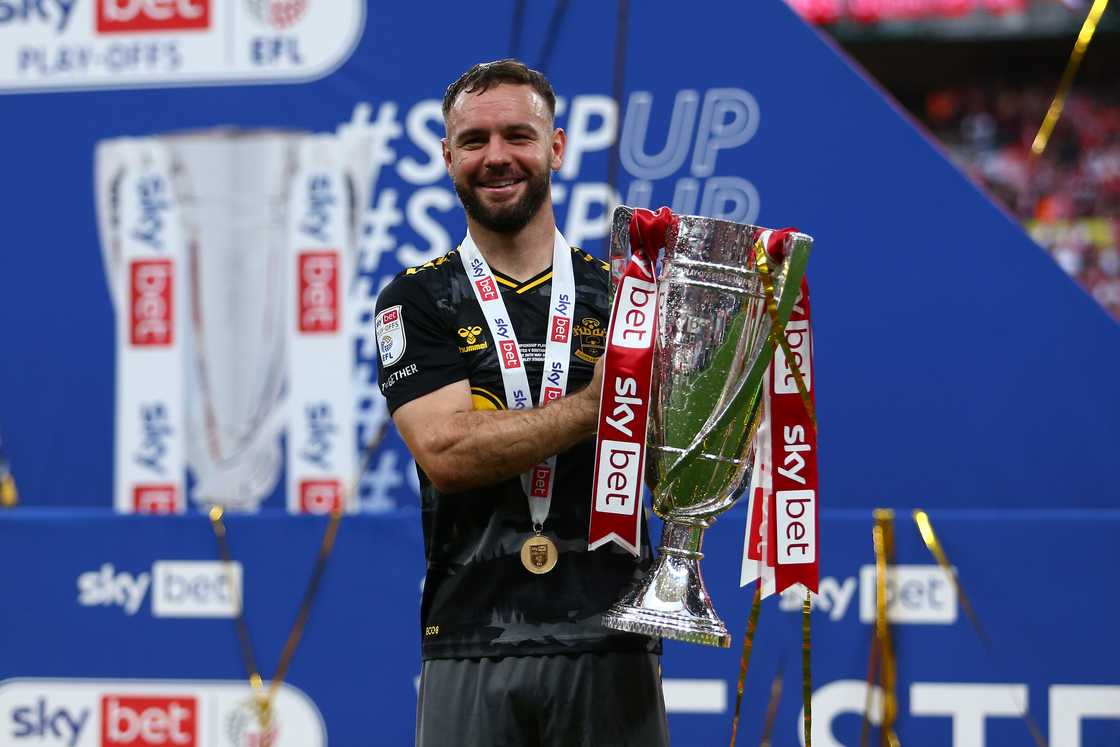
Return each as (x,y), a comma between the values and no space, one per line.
(711,355)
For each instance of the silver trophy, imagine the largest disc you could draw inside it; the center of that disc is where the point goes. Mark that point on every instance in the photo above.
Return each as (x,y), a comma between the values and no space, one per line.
(711,355)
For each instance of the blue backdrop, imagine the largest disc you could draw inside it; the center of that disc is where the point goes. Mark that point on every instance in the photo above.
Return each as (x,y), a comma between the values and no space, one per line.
(957,365)
(68,617)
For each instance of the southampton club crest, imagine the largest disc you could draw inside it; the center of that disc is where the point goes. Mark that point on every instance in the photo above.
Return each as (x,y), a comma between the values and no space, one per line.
(590,339)
(389,330)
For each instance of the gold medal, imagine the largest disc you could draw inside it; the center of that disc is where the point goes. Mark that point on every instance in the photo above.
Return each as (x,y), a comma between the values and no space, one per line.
(539,554)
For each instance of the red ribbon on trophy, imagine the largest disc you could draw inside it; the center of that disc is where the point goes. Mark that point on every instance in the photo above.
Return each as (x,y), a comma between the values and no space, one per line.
(793,449)
(620,447)
(782,535)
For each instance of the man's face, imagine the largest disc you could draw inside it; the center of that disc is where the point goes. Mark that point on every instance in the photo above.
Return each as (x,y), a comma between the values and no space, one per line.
(499,149)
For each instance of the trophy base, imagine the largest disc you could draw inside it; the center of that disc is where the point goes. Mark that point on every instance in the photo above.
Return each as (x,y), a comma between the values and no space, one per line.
(672,601)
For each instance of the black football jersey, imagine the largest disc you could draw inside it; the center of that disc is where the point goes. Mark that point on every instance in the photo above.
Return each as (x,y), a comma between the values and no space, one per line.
(478,599)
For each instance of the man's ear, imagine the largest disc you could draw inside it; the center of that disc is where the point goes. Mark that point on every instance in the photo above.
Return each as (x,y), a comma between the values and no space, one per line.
(446,155)
(559,142)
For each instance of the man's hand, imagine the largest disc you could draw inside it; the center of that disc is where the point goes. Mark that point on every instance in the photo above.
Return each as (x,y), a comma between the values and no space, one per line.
(460,448)
(595,387)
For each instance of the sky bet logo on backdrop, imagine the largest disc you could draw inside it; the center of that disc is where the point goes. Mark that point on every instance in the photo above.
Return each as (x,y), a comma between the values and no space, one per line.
(124,16)
(82,712)
(55,13)
(179,588)
(136,721)
(916,595)
(68,44)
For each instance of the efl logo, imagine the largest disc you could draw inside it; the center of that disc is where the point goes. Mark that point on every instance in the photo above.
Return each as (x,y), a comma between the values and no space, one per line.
(551,393)
(151,319)
(540,481)
(632,326)
(487,291)
(318,292)
(620,485)
(128,16)
(508,352)
(561,328)
(280,14)
(320,496)
(155,499)
(133,721)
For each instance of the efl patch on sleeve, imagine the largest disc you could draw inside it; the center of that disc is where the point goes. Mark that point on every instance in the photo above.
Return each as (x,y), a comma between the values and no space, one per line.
(391,341)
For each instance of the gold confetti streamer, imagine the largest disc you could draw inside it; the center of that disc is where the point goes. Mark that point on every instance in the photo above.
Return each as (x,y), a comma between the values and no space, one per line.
(263,699)
(806,671)
(1054,113)
(933,544)
(744,660)
(777,338)
(883,654)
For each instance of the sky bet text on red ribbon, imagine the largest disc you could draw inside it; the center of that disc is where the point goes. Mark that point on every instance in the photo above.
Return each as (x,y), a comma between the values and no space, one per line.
(623,413)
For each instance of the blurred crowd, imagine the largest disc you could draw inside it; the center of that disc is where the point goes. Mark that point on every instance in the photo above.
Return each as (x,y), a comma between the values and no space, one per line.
(1069,197)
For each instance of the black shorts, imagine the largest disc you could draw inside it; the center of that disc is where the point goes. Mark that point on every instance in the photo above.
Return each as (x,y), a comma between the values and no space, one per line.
(608,699)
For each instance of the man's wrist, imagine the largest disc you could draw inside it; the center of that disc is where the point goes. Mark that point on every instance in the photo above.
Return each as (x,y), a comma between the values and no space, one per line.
(588,408)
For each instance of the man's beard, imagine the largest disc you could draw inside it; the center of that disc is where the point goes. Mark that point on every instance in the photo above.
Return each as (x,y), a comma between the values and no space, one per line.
(507,219)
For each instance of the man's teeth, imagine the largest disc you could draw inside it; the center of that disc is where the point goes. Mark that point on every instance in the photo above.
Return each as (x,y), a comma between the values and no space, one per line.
(505,183)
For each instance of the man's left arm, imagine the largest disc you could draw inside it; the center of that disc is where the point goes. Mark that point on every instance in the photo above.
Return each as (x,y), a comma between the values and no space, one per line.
(460,448)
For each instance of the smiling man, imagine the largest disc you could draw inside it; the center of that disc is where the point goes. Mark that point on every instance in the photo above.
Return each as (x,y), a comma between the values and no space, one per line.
(488,362)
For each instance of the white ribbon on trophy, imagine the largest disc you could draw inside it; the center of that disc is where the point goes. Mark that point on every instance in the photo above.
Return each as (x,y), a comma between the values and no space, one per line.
(142,246)
(322,449)
(756,550)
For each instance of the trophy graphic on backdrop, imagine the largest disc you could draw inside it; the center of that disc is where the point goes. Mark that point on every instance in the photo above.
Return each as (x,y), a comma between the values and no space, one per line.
(228,256)
(710,350)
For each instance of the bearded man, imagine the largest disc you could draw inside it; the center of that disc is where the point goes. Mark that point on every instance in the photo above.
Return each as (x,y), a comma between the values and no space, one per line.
(489,365)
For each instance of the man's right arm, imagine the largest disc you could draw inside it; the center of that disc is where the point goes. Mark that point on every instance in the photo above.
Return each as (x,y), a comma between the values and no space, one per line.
(460,448)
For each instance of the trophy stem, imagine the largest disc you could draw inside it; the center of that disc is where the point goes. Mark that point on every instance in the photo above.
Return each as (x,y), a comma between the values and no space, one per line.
(671,601)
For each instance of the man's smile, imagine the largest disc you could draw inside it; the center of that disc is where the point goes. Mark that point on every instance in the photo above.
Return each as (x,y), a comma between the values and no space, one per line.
(500,187)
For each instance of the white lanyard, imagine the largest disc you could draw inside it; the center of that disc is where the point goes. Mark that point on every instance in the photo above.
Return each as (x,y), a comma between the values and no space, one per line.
(538,481)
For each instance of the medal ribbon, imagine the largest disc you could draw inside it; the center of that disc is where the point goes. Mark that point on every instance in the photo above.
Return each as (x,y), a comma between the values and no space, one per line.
(538,482)
(620,446)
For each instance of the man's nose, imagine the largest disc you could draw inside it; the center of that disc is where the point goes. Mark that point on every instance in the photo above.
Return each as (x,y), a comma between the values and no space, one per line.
(497,154)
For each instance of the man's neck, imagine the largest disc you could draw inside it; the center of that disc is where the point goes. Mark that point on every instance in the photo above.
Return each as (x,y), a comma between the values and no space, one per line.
(522,255)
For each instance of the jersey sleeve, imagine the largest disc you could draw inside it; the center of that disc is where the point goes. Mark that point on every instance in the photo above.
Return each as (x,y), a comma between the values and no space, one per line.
(417,353)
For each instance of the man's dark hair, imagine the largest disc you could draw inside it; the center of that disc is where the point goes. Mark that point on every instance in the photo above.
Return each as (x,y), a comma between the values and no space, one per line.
(485,75)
